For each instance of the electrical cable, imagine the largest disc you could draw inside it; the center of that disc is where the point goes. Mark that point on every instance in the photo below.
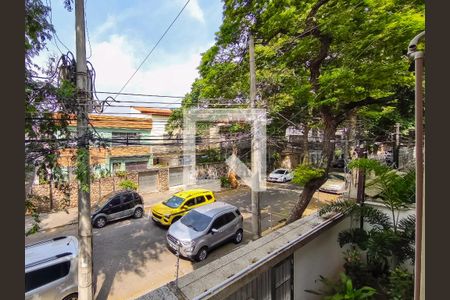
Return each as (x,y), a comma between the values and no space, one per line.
(154,47)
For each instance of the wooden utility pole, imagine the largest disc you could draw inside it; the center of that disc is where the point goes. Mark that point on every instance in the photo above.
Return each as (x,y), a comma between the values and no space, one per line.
(85,290)
(256,159)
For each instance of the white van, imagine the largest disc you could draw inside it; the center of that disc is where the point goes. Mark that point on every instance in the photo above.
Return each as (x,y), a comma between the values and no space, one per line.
(51,269)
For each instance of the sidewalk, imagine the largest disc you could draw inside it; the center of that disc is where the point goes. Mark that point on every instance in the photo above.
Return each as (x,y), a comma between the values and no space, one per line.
(63,218)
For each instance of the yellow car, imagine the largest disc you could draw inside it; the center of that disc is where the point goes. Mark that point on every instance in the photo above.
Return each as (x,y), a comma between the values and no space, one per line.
(179,204)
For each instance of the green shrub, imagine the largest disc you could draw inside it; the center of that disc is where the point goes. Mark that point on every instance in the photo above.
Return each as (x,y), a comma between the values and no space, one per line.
(343,289)
(128,185)
(121,174)
(305,173)
(401,284)
(225,182)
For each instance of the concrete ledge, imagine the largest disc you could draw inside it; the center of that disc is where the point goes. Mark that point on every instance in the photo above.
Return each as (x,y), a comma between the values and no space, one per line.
(222,277)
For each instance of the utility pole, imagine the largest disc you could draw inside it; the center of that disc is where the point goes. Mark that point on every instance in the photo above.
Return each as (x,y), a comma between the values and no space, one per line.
(85,290)
(396,152)
(256,160)
(419,273)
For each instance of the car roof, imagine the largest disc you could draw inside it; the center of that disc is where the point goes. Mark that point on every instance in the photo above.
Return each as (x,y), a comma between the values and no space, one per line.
(213,209)
(48,250)
(188,193)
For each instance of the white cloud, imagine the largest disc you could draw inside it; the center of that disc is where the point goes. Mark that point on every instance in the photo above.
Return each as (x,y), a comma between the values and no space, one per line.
(116,60)
(195,11)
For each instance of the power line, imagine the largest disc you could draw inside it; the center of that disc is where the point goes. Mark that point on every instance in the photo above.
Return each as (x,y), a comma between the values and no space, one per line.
(49,3)
(154,47)
(140,94)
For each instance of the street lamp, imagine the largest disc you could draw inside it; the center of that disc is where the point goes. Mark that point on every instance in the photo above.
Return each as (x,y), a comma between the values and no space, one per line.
(418,60)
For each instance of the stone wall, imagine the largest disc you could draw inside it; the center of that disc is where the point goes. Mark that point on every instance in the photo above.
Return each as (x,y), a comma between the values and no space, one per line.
(163,179)
(99,188)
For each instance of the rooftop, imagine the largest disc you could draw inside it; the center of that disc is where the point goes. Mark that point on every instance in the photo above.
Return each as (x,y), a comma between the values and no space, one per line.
(153,111)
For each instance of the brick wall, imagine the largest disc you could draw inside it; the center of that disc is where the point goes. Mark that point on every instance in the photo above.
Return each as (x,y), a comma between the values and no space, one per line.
(99,188)
(163,179)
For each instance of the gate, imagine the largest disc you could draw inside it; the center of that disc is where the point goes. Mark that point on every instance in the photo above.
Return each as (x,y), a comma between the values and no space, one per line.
(175,176)
(148,181)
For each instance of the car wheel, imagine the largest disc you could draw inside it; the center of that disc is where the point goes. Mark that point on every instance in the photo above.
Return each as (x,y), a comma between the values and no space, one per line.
(175,219)
(238,236)
(201,254)
(73,296)
(100,222)
(138,213)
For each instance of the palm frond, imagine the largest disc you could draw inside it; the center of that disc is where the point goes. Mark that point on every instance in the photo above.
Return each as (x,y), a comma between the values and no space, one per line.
(345,207)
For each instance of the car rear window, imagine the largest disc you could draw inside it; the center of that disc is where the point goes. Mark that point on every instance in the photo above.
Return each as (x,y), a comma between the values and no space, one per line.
(38,278)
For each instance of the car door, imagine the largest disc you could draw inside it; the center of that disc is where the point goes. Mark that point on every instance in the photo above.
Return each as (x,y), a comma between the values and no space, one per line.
(200,200)
(128,204)
(217,237)
(113,209)
(48,282)
(189,204)
(229,228)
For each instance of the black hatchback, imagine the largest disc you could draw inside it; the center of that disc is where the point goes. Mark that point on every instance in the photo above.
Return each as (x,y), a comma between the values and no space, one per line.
(117,205)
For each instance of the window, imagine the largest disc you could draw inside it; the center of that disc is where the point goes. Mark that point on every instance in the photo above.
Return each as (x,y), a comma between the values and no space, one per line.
(190,202)
(209,197)
(282,280)
(38,278)
(219,222)
(115,201)
(200,200)
(125,138)
(196,220)
(229,217)
(128,198)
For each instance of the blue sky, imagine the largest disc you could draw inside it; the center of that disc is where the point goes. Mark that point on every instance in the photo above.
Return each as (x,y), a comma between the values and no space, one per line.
(121,33)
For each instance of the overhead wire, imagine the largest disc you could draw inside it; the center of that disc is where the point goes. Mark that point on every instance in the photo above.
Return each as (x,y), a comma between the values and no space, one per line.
(154,47)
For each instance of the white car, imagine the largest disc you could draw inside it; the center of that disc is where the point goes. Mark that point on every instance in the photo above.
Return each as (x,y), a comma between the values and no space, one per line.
(280,175)
(336,184)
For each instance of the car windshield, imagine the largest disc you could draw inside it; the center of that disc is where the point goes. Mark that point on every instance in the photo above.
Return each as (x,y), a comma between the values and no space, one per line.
(279,171)
(196,220)
(335,176)
(173,202)
(103,201)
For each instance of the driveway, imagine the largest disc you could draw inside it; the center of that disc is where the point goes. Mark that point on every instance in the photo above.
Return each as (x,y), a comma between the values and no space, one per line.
(131,258)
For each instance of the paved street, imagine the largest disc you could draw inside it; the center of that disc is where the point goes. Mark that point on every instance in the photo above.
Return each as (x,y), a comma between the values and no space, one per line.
(130,256)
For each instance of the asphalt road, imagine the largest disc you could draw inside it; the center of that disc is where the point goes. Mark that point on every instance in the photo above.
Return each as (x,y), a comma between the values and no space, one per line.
(131,257)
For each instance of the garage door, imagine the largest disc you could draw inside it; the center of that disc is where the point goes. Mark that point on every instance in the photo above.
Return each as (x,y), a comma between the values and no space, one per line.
(136,166)
(175,176)
(148,182)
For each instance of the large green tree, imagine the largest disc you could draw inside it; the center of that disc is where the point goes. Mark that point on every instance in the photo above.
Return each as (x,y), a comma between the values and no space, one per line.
(318,62)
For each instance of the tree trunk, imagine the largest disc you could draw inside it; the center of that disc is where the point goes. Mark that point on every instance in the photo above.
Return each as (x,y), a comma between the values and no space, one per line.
(312,186)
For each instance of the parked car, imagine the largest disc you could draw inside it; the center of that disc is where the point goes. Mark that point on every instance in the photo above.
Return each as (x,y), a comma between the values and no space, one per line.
(171,210)
(280,175)
(51,269)
(117,205)
(336,184)
(205,228)
(339,163)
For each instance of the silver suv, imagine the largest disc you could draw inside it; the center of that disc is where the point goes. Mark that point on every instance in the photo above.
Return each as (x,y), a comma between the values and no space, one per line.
(205,228)
(51,269)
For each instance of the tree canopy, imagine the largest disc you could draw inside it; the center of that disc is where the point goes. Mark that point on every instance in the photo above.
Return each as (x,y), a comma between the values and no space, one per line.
(317,62)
